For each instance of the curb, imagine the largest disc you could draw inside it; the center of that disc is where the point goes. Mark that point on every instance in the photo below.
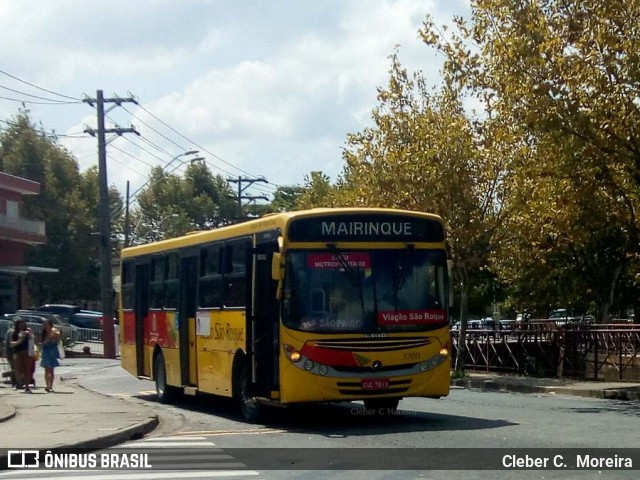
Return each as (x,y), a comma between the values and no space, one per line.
(498,386)
(7,412)
(130,433)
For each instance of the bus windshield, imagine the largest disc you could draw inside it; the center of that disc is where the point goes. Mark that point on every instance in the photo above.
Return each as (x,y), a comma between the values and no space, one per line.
(365,291)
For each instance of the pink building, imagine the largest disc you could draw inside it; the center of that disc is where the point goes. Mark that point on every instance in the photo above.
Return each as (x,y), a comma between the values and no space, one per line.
(16,234)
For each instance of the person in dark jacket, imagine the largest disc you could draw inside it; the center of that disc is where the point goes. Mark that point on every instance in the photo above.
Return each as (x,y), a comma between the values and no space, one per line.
(9,353)
(20,339)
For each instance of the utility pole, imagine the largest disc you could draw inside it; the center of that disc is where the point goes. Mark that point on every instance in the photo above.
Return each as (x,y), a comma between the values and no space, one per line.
(239,197)
(126,219)
(106,283)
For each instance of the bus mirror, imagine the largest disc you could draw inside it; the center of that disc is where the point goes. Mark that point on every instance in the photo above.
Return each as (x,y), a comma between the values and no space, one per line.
(450,271)
(276,267)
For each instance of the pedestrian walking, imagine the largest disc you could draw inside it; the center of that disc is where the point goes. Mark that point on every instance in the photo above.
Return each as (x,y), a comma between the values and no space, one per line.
(49,342)
(20,348)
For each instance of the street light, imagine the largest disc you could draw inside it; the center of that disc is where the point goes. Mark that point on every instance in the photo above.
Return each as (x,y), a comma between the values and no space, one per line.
(182,162)
(165,168)
(129,197)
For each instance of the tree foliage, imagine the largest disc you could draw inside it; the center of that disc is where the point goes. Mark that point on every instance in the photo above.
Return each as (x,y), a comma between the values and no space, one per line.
(171,205)
(68,204)
(564,74)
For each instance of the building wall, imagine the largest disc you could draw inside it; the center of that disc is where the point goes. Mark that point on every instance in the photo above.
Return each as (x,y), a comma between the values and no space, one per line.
(12,253)
(16,234)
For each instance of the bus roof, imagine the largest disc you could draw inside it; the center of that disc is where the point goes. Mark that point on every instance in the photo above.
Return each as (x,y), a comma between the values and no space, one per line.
(265,223)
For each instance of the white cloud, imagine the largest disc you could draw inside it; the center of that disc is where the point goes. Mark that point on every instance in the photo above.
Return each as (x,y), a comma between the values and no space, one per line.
(273,89)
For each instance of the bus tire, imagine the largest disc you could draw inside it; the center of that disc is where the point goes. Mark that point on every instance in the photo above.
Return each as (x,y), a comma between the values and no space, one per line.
(164,392)
(382,406)
(250,409)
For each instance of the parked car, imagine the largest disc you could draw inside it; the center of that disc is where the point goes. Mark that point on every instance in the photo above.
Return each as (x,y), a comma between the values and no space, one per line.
(506,325)
(561,317)
(482,324)
(75,315)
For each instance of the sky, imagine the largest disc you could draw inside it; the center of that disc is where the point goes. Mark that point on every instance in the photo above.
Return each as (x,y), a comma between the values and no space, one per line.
(260,89)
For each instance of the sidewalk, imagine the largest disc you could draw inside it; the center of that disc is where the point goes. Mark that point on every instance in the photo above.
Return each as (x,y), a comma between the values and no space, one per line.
(520,384)
(68,417)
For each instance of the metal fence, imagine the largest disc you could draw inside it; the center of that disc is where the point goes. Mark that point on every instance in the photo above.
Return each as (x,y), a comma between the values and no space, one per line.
(595,352)
(80,340)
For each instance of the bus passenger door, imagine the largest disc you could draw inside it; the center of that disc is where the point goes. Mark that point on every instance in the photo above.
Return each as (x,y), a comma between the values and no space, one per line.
(187,318)
(141,313)
(263,315)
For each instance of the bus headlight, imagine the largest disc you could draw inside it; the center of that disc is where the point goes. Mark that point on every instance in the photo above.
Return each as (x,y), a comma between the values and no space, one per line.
(433,362)
(291,353)
(308,364)
(323,369)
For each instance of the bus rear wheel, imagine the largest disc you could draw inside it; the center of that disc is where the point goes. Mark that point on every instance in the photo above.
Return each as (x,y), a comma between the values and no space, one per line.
(250,409)
(164,392)
(382,406)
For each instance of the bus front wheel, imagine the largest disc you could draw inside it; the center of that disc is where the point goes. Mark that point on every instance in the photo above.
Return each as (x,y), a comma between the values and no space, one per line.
(382,406)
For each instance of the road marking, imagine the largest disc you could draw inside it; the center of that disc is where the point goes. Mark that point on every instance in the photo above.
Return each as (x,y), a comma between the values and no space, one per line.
(166,444)
(161,439)
(255,431)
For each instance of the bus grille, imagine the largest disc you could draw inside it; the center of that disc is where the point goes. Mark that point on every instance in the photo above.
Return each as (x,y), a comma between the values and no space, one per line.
(369,345)
(385,368)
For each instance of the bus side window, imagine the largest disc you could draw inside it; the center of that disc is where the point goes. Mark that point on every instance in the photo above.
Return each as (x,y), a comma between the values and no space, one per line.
(172,282)
(157,282)
(127,290)
(210,287)
(236,255)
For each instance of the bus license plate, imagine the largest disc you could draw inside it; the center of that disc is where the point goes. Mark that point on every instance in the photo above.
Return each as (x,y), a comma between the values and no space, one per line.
(375,383)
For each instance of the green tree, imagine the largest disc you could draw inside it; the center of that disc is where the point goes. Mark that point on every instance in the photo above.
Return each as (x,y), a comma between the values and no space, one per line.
(285,198)
(171,206)
(317,192)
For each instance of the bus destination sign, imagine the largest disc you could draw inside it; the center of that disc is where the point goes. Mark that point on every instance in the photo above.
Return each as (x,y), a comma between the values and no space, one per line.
(364,228)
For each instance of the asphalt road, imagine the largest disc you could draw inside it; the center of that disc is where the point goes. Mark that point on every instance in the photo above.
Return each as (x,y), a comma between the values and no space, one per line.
(469,419)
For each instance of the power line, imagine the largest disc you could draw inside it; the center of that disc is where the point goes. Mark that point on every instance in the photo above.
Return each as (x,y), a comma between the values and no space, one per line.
(33,102)
(194,143)
(134,157)
(110,157)
(147,125)
(148,152)
(39,88)
(34,96)
(49,134)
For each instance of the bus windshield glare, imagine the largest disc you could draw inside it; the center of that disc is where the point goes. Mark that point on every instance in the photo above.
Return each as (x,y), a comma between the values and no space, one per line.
(365,291)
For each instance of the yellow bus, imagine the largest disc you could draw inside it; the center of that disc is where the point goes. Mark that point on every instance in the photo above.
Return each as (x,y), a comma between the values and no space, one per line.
(309,306)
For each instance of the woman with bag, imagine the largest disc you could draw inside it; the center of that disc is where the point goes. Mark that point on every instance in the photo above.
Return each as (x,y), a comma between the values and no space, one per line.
(50,341)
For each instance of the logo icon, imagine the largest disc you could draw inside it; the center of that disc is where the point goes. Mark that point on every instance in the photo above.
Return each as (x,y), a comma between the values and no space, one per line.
(23,459)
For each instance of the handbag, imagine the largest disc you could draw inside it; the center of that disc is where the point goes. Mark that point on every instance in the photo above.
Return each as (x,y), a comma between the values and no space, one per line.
(60,351)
